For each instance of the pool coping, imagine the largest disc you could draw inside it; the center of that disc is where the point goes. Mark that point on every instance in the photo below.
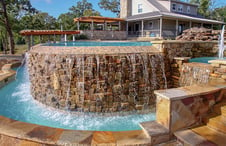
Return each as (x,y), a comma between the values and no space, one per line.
(93,50)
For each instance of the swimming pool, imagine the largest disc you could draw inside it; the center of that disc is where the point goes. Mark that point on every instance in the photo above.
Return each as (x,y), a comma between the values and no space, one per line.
(17,103)
(203,59)
(98,43)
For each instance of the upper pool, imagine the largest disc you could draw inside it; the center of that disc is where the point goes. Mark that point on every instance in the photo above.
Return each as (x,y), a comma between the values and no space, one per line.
(98,43)
(203,59)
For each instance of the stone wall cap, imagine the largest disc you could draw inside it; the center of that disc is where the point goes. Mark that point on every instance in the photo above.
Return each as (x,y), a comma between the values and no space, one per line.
(182,58)
(218,61)
(188,91)
(93,50)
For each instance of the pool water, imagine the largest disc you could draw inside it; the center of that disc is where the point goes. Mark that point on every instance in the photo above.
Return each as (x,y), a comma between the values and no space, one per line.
(95,43)
(17,103)
(203,59)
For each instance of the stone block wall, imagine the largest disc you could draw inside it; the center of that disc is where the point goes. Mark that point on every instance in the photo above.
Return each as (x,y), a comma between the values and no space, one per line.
(185,107)
(178,51)
(219,70)
(97,82)
(105,34)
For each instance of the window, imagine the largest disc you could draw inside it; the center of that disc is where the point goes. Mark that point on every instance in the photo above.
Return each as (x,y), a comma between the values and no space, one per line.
(140,9)
(174,7)
(188,9)
(180,8)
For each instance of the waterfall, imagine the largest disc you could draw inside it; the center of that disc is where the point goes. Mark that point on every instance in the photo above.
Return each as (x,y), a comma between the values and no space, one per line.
(221,44)
(162,64)
(194,73)
(70,65)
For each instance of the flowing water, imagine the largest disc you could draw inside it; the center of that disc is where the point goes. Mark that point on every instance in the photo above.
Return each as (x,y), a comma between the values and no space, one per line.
(17,103)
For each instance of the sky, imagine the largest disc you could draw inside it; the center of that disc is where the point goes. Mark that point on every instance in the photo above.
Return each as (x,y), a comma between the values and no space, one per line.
(57,7)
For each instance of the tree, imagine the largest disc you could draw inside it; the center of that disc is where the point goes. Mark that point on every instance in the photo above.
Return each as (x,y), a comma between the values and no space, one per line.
(82,8)
(204,8)
(110,5)
(11,10)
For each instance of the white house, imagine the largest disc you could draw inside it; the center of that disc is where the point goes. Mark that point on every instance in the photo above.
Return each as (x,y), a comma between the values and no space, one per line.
(161,18)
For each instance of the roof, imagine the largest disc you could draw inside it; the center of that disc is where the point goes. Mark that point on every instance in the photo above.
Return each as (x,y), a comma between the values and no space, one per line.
(158,14)
(47,32)
(159,6)
(97,19)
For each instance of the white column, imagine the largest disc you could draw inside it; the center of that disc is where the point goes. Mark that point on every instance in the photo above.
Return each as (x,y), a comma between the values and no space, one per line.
(73,38)
(160,28)
(176,27)
(142,28)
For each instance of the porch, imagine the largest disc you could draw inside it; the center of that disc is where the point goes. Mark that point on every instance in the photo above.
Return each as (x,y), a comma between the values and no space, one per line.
(164,27)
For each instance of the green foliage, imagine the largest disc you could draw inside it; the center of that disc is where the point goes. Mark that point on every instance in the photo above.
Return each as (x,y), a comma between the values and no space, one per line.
(81,37)
(110,5)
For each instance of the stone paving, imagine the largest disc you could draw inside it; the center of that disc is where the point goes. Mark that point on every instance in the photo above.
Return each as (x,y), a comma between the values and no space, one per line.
(19,132)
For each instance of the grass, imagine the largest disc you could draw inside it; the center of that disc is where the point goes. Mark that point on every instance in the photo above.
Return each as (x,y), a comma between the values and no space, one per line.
(19,49)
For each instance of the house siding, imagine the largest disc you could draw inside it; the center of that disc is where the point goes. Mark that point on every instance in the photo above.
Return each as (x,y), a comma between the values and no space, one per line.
(146,6)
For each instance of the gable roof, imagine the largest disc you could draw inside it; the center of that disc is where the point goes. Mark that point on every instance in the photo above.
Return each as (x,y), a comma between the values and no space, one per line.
(159,6)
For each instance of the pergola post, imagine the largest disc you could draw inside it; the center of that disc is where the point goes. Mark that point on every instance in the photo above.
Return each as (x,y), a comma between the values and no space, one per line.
(73,37)
(92,28)
(54,38)
(78,25)
(119,26)
(32,40)
(65,37)
(29,42)
(160,27)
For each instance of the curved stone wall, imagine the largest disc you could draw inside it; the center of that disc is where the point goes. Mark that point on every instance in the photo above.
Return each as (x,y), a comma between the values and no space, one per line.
(96,79)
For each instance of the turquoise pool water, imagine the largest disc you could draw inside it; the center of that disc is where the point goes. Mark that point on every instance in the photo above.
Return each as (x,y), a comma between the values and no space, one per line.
(92,43)
(17,103)
(203,59)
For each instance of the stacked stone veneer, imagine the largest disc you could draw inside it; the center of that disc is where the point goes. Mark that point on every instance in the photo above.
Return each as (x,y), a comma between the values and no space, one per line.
(219,70)
(96,79)
(105,35)
(191,49)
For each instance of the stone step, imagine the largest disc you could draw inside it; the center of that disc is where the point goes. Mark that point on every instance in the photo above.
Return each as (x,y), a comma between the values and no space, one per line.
(211,135)
(217,108)
(156,132)
(223,111)
(206,119)
(218,124)
(190,138)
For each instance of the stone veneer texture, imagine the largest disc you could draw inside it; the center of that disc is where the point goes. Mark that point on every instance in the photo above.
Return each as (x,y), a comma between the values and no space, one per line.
(96,79)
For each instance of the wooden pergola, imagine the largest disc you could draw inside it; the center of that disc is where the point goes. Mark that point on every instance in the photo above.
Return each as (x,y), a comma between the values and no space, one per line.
(31,33)
(98,20)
